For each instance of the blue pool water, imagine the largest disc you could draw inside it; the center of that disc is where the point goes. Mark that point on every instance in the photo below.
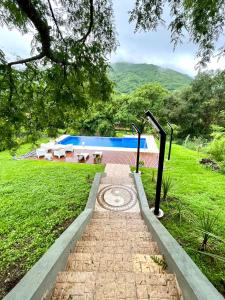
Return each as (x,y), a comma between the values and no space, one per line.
(125,142)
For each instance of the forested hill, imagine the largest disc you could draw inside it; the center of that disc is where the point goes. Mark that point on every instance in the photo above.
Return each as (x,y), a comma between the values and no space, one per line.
(128,76)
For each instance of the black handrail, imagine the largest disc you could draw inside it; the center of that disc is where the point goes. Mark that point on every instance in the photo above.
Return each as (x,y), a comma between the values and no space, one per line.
(171,139)
(138,146)
(162,133)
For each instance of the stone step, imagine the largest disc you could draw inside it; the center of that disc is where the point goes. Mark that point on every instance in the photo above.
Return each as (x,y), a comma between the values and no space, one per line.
(107,262)
(116,227)
(116,215)
(114,285)
(117,170)
(117,222)
(117,247)
(117,180)
(115,235)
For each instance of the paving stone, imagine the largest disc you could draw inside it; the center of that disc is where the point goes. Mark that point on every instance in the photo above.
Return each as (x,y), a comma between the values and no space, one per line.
(117,247)
(113,260)
(116,227)
(125,285)
(116,215)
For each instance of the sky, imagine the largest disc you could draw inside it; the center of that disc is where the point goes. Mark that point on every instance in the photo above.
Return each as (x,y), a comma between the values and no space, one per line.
(152,47)
(155,47)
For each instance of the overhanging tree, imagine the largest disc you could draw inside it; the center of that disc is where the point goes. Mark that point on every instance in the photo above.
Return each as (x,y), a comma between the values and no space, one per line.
(71,39)
(70,45)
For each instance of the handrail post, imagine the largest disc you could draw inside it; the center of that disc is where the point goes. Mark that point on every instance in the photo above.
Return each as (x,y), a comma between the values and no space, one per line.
(157,211)
(171,139)
(138,146)
(160,173)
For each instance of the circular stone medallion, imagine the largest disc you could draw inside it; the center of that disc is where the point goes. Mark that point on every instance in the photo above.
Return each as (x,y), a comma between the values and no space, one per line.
(117,197)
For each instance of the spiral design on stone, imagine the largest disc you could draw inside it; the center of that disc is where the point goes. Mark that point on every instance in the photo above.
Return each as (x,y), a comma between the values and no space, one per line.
(117,197)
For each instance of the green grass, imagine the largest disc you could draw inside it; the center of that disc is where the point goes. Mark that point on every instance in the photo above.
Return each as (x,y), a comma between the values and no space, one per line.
(38,200)
(195,190)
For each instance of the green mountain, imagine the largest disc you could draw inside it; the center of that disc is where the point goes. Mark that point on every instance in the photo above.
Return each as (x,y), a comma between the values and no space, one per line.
(128,77)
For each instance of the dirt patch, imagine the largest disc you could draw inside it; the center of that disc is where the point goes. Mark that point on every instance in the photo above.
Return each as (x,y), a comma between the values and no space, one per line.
(59,228)
(10,277)
(209,163)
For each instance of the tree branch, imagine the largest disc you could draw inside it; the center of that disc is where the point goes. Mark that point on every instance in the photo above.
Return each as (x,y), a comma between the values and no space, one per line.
(42,27)
(91,23)
(26,60)
(39,22)
(55,21)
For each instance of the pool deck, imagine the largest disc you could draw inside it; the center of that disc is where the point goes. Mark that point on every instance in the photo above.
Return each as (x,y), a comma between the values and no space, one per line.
(113,157)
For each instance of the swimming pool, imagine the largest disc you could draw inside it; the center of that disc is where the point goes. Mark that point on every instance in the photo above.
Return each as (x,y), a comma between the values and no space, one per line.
(106,142)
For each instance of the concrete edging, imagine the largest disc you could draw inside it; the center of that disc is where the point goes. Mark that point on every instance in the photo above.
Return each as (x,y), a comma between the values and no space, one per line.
(40,279)
(94,191)
(193,283)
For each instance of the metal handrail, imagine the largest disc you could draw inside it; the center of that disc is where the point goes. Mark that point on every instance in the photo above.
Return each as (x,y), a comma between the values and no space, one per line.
(138,147)
(171,139)
(152,120)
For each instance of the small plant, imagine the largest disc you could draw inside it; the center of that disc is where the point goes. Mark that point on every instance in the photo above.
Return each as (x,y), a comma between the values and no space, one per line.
(212,255)
(89,179)
(153,175)
(207,225)
(98,159)
(159,261)
(180,211)
(167,184)
(186,140)
(222,167)
(141,163)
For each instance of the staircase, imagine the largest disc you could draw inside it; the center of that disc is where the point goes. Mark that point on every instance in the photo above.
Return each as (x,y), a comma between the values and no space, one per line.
(116,258)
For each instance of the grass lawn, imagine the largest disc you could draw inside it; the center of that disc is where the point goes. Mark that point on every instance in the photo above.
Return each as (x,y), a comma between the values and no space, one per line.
(195,190)
(38,200)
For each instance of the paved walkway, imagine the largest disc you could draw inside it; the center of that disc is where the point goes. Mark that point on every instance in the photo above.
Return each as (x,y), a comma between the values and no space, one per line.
(116,256)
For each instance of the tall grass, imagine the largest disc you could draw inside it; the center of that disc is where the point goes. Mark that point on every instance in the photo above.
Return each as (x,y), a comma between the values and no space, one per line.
(167,184)
(207,225)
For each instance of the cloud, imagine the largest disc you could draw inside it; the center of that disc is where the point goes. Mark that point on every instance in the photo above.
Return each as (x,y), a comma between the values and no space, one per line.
(154,47)
(151,47)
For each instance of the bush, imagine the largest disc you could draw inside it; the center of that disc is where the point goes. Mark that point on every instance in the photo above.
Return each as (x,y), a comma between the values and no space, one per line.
(105,128)
(217,149)
(141,163)
(167,184)
(207,225)
(222,167)
(197,143)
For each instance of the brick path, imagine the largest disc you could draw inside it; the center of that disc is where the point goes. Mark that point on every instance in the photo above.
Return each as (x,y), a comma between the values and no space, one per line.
(115,258)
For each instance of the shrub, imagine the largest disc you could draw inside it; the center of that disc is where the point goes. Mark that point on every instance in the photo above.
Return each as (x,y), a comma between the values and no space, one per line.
(105,128)
(141,163)
(217,149)
(167,184)
(153,176)
(222,167)
(207,225)
(197,143)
